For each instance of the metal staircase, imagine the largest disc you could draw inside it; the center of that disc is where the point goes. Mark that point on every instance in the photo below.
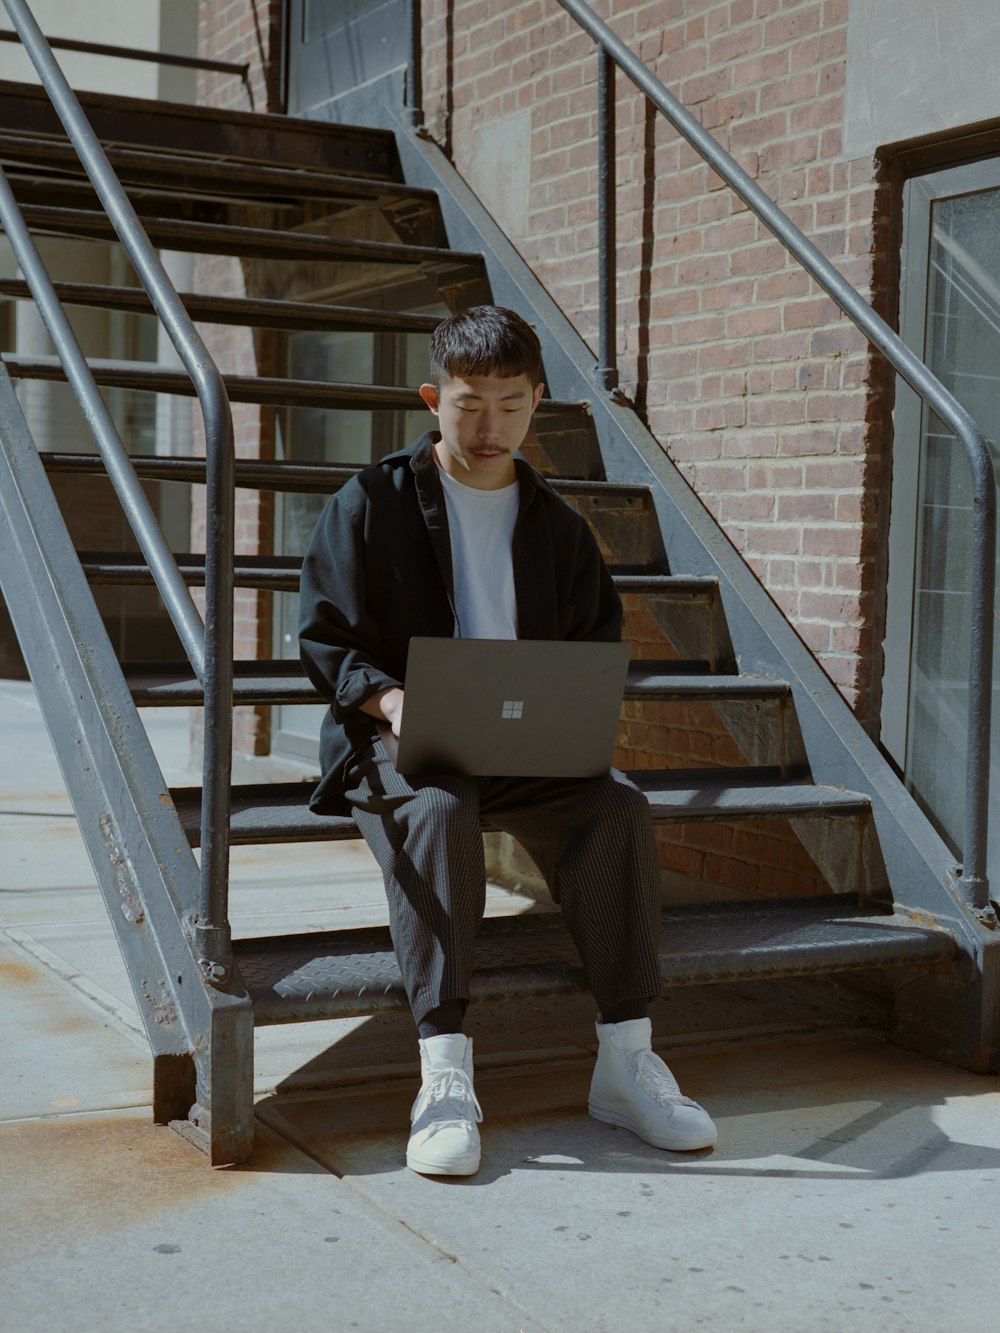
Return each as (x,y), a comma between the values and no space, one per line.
(207,182)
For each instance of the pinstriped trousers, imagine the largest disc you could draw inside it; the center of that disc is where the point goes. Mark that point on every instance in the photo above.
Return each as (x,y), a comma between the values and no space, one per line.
(592,840)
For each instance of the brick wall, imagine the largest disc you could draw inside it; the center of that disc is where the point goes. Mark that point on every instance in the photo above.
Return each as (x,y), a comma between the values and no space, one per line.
(765,397)
(245,32)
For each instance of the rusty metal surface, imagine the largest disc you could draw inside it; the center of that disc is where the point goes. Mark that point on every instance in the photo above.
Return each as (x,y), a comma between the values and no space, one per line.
(205,173)
(208,132)
(296,979)
(247,312)
(253,242)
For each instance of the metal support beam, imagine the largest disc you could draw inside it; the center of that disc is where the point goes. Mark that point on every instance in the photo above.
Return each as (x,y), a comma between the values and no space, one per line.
(137,846)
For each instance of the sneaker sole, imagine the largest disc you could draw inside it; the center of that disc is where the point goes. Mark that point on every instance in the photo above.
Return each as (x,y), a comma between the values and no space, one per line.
(463,1166)
(670,1143)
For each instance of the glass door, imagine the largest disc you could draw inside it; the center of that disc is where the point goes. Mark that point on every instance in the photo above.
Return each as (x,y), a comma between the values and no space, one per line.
(336,46)
(950,314)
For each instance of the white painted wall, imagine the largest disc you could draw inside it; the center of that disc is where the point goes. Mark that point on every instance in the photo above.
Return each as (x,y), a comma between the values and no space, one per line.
(916,67)
(151,25)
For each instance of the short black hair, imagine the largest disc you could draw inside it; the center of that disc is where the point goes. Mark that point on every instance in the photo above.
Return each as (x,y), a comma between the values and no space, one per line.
(485,340)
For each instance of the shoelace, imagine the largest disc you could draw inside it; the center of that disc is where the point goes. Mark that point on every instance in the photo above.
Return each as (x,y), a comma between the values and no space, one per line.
(446,1095)
(656,1078)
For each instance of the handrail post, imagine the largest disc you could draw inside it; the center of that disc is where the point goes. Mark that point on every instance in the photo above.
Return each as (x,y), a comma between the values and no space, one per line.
(414,65)
(607,368)
(209,923)
(974,880)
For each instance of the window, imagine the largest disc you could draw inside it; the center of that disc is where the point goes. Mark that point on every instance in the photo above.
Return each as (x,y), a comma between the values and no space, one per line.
(950,315)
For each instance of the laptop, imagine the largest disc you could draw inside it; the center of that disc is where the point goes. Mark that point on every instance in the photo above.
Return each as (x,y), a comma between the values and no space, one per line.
(509,707)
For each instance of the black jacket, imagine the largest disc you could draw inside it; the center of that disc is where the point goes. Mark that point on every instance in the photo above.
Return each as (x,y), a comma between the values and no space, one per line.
(378,572)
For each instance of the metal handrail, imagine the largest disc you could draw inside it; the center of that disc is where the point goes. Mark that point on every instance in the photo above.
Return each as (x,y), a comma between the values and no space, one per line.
(138,53)
(973,881)
(168,58)
(612,51)
(209,646)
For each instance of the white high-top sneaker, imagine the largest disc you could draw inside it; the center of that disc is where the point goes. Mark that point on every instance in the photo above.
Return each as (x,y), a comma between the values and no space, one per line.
(632,1087)
(444,1140)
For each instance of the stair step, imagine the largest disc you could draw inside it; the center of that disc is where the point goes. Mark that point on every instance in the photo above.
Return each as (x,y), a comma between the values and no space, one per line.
(696,794)
(173,684)
(216,136)
(212,238)
(189,172)
(353,972)
(279,812)
(284,475)
(265,390)
(280,573)
(258,313)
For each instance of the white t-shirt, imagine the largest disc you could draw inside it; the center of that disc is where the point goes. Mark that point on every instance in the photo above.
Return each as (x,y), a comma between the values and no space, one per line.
(482,527)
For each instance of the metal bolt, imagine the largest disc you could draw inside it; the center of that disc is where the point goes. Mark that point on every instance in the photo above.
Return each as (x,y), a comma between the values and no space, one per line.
(216,974)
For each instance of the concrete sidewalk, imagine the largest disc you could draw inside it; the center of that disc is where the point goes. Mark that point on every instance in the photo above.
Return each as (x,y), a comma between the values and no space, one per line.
(855,1187)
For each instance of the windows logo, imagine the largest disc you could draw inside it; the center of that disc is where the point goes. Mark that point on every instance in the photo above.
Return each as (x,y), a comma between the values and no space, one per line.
(512,708)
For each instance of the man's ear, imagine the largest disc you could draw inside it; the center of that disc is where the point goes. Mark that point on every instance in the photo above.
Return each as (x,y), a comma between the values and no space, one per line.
(429,393)
(537,397)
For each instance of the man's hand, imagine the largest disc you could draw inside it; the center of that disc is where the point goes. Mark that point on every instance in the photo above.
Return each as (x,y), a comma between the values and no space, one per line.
(387,707)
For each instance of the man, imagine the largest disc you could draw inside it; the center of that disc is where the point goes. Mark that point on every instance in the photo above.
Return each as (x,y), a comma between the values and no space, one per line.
(459,536)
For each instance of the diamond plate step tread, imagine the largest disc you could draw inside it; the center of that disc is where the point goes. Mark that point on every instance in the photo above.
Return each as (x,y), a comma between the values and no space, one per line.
(347,973)
(173,684)
(209,134)
(279,812)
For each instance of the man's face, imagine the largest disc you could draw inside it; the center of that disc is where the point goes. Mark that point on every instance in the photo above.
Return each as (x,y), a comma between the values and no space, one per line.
(482,420)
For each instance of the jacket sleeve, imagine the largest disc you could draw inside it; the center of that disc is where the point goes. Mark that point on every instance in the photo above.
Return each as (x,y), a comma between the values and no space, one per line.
(597,608)
(339,639)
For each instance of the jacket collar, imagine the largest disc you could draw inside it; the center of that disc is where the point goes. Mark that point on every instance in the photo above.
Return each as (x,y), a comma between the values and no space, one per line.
(420,456)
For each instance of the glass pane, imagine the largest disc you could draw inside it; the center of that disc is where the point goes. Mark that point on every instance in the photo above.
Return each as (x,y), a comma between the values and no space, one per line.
(344,44)
(962,347)
(315,435)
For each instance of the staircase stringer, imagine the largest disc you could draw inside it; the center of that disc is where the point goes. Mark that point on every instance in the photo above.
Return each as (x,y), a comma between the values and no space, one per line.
(141,858)
(920,872)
